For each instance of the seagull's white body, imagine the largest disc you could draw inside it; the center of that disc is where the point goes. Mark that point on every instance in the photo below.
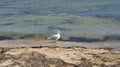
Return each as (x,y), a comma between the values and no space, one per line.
(55,36)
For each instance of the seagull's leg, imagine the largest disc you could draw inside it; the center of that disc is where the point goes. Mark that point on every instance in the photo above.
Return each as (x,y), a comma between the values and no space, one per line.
(53,45)
(55,41)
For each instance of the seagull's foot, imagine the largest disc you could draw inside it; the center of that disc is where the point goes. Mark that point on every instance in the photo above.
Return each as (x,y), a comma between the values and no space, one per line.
(54,41)
(53,45)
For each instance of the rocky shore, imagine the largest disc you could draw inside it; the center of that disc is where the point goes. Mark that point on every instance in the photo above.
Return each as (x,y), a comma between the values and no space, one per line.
(53,56)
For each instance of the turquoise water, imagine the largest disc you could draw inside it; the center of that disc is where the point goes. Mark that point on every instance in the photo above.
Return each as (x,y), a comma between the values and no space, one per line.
(91,18)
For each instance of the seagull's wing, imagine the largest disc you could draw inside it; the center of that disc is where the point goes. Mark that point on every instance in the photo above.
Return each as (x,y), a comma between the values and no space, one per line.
(53,37)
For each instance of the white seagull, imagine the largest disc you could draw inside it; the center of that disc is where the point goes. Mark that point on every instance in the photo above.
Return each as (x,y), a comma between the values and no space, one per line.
(55,37)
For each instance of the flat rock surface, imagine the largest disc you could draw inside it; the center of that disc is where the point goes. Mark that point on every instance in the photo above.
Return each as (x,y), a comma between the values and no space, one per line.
(36,42)
(52,56)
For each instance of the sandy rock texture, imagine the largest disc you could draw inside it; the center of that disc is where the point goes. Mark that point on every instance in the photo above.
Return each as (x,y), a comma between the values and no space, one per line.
(58,57)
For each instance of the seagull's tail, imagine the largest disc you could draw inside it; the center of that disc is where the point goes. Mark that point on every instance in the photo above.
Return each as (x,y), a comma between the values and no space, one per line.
(49,38)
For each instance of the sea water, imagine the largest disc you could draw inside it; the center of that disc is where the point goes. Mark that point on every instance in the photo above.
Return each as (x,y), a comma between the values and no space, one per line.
(82,18)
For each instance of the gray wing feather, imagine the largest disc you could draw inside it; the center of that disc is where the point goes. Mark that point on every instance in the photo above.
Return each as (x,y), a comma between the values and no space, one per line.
(53,37)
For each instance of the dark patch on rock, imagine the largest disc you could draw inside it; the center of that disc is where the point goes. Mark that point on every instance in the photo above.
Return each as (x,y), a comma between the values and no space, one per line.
(27,36)
(112,37)
(90,40)
(82,39)
(5,38)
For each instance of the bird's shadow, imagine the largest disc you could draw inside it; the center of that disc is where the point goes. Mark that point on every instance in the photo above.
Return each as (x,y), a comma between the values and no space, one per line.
(51,42)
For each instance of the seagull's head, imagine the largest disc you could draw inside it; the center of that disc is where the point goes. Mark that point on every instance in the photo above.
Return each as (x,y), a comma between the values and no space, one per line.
(58,32)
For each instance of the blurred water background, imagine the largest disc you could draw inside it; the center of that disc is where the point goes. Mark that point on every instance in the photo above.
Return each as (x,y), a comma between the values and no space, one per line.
(74,18)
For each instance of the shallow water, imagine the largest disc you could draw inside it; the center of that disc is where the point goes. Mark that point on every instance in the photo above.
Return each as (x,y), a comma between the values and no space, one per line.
(88,18)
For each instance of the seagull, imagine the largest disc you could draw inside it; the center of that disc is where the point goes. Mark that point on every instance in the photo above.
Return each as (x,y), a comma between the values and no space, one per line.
(55,37)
